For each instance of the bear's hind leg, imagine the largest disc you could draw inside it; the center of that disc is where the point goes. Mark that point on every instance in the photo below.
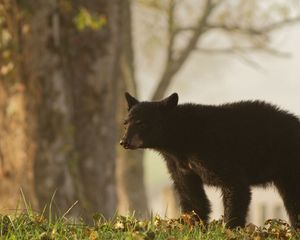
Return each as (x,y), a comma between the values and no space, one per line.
(290,193)
(236,200)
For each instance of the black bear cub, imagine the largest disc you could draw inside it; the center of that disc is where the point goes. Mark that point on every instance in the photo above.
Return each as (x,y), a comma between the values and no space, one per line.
(231,146)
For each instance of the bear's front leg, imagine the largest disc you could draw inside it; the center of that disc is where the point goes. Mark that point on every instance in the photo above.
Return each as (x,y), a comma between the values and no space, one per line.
(236,200)
(191,192)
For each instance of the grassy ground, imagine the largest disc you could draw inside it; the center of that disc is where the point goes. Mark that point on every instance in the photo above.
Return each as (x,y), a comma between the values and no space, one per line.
(32,226)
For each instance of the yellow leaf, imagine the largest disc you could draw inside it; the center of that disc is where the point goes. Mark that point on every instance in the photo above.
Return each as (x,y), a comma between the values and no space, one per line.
(93,235)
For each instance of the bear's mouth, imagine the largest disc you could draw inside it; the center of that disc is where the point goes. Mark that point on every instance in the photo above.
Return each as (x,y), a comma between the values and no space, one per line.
(128,146)
(134,143)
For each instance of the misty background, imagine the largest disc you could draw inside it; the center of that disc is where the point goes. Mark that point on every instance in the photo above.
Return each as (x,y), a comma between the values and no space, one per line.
(220,78)
(65,66)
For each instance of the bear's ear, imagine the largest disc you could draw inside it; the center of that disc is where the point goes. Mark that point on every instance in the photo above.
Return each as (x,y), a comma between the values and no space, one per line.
(170,101)
(131,101)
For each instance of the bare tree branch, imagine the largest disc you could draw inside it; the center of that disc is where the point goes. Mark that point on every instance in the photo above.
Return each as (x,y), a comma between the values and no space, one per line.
(278,25)
(171,32)
(172,67)
(245,30)
(173,64)
(236,28)
(235,49)
(241,53)
(250,62)
(253,31)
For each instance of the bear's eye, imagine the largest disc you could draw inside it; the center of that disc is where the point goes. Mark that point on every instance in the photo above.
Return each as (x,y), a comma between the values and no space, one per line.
(140,124)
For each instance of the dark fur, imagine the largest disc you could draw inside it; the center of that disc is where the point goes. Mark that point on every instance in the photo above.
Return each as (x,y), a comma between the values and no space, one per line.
(231,146)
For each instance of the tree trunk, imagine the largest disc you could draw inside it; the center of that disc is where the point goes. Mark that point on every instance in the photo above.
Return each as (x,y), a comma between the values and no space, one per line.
(94,76)
(130,173)
(16,164)
(74,77)
(50,109)
(67,114)
(15,144)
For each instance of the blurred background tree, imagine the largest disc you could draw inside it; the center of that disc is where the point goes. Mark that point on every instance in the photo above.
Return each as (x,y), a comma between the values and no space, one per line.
(65,57)
(15,144)
(64,67)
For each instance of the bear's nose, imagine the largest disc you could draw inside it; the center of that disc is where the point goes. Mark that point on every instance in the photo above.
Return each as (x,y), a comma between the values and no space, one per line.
(123,143)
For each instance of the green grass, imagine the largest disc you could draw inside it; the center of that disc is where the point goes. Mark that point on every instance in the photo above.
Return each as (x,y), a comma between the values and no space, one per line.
(33,226)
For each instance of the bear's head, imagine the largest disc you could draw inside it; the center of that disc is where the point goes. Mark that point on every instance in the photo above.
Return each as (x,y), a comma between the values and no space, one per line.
(145,120)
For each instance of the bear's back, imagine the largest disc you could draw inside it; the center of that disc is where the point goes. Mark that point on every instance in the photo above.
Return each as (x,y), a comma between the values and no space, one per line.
(247,140)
